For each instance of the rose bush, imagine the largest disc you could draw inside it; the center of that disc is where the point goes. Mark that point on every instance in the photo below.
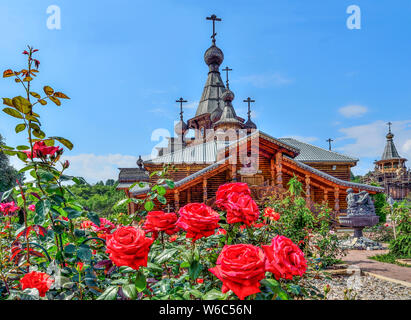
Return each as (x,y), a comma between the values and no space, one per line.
(51,243)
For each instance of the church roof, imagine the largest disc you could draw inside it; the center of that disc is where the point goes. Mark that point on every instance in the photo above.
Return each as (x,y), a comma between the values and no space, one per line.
(390,151)
(207,152)
(311,153)
(128,176)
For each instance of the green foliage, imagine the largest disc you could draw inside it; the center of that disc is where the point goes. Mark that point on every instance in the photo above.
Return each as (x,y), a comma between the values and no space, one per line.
(388,258)
(8,174)
(401,216)
(99,198)
(312,231)
(380,201)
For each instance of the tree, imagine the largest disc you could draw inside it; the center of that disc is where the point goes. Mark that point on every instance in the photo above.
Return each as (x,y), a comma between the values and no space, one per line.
(110,182)
(8,174)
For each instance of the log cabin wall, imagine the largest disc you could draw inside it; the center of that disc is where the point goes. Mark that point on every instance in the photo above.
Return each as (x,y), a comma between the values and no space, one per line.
(342,171)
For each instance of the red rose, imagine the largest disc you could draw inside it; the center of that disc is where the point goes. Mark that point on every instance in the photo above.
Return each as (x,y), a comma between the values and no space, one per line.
(106,226)
(240,267)
(221,231)
(198,220)
(161,221)
(39,280)
(200,280)
(284,259)
(8,208)
(270,213)
(236,199)
(128,246)
(41,150)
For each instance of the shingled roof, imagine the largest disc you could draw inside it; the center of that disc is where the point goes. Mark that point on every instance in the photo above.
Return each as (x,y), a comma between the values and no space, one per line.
(207,152)
(311,153)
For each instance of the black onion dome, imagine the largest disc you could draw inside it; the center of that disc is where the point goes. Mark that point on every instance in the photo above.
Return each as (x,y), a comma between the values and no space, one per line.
(213,55)
(140,162)
(250,125)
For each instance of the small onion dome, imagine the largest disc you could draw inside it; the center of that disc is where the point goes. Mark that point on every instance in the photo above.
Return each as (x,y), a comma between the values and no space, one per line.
(250,125)
(213,55)
(228,95)
(389,136)
(180,128)
(140,162)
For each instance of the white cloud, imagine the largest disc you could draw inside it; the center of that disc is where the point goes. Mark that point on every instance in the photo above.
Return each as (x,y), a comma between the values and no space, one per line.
(353,111)
(265,80)
(368,140)
(94,168)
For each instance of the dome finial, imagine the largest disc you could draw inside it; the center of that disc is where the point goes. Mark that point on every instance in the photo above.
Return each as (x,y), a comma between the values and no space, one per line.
(227,69)
(249,124)
(214,18)
(181,127)
(389,135)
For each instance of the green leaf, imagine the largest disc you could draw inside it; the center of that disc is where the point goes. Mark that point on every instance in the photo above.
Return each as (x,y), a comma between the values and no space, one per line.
(161,190)
(149,205)
(161,199)
(22,104)
(6,194)
(45,175)
(22,147)
(72,213)
(130,291)
(170,183)
(126,269)
(94,218)
(64,142)
(109,294)
(165,255)
(39,134)
(154,267)
(214,294)
(13,113)
(20,127)
(35,95)
(7,102)
(84,253)
(273,284)
(22,156)
(194,270)
(70,249)
(141,282)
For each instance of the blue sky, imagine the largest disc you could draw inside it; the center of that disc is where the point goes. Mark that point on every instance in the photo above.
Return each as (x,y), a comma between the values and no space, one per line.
(124,63)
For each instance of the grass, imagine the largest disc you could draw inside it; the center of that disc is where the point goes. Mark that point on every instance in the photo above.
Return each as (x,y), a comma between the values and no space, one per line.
(390,258)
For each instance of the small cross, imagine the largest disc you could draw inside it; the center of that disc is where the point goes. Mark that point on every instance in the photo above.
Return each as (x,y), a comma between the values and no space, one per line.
(329,140)
(214,18)
(227,69)
(168,208)
(389,127)
(181,100)
(249,100)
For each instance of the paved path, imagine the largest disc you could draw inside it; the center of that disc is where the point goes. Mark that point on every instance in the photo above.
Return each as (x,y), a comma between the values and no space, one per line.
(389,270)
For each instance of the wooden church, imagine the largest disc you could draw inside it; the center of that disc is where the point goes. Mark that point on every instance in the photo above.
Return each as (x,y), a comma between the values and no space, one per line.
(226,148)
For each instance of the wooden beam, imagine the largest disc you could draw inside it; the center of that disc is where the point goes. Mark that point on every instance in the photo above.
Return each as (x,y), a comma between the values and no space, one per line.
(234,172)
(337,199)
(279,169)
(272,171)
(176,200)
(307,189)
(204,190)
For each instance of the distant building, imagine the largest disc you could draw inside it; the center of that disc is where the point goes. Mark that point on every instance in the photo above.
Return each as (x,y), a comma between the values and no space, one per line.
(390,171)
